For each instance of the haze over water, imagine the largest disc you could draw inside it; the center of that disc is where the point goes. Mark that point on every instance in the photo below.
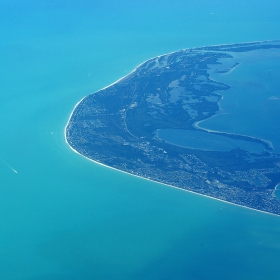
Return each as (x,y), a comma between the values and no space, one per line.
(64,217)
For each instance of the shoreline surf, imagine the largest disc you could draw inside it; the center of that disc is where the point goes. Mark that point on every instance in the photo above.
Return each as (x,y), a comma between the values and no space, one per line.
(196,193)
(195,125)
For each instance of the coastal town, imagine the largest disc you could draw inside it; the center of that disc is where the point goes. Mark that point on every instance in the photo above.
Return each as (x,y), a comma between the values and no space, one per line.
(117,126)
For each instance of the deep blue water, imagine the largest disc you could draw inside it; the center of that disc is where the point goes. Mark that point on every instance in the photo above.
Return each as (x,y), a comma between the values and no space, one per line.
(251,106)
(63,217)
(202,140)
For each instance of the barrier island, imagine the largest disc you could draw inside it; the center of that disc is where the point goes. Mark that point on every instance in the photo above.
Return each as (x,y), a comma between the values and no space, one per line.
(147,124)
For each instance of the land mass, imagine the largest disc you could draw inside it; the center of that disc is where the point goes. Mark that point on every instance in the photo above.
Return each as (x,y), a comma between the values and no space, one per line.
(122,126)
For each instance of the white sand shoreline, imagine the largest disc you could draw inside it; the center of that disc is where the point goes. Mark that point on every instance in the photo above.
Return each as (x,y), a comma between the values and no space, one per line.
(169,53)
(113,168)
(232,69)
(218,199)
(195,124)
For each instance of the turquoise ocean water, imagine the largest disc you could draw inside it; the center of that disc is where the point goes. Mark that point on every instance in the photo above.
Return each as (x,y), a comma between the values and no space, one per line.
(64,217)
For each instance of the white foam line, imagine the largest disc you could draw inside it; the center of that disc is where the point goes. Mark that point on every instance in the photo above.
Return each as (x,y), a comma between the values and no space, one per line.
(65,131)
(238,44)
(196,193)
(178,188)
(186,49)
(196,125)
(9,166)
(232,69)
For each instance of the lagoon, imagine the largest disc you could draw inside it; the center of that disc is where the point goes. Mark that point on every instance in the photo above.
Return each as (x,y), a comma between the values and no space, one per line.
(203,140)
(64,217)
(251,106)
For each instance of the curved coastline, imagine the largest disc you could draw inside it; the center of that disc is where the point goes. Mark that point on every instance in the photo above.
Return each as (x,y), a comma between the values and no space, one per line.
(195,125)
(169,53)
(268,144)
(265,142)
(171,186)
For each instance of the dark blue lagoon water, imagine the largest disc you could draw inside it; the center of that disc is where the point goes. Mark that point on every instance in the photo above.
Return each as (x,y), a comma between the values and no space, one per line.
(64,217)
(251,106)
(203,140)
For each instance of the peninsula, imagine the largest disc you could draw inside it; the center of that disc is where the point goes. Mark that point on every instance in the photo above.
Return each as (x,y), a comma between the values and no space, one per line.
(147,124)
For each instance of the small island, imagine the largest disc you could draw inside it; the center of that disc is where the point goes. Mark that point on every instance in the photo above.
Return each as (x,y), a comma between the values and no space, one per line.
(148,124)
